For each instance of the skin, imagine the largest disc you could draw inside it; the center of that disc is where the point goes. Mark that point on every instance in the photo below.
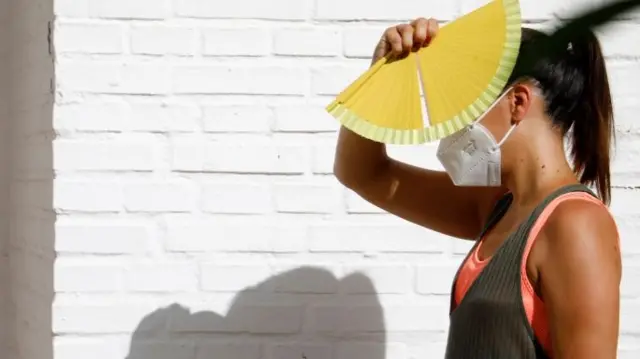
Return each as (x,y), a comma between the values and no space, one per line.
(575,263)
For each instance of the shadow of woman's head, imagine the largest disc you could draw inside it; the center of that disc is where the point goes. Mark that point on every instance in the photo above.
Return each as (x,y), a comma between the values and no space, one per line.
(303,313)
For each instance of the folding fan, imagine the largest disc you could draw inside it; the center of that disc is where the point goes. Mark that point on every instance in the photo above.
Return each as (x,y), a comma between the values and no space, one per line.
(438,89)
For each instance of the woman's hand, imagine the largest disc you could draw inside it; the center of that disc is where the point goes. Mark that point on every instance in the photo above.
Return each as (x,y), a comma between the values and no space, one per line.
(399,40)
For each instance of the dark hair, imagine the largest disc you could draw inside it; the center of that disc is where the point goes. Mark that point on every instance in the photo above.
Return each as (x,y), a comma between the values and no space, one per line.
(578,100)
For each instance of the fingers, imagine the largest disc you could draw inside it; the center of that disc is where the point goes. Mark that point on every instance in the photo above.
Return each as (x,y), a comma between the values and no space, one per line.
(420,34)
(394,39)
(404,38)
(432,29)
(406,32)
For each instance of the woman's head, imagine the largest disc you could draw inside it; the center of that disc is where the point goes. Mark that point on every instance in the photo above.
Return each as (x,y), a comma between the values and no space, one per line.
(563,95)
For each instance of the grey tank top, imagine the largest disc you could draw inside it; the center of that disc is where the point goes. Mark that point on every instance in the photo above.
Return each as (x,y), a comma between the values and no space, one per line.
(490,322)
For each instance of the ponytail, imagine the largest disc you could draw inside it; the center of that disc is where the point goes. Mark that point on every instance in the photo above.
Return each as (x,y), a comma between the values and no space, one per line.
(593,126)
(574,80)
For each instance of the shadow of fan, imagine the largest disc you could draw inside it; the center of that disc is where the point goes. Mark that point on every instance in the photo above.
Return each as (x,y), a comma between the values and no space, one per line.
(306,313)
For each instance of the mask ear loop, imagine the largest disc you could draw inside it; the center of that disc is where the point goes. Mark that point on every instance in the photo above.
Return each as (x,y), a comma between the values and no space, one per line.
(505,137)
(537,92)
(494,104)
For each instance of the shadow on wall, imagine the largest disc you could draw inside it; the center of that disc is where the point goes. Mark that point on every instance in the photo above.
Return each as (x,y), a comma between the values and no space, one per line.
(305,313)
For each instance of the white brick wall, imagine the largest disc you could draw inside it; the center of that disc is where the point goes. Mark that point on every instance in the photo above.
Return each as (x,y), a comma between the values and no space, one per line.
(197,215)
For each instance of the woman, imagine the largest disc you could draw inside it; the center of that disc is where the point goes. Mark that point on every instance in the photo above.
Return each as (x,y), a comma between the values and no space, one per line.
(543,278)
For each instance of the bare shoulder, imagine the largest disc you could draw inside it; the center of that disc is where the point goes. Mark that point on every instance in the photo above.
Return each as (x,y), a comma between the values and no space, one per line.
(579,276)
(584,231)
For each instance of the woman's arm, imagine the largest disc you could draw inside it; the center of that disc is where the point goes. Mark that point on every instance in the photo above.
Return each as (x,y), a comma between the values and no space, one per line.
(424,197)
(580,281)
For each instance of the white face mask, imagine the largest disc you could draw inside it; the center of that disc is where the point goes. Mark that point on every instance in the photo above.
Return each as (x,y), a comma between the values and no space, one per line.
(472,156)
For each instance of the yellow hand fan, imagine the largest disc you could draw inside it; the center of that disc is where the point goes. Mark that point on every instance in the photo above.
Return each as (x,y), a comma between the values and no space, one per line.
(454,80)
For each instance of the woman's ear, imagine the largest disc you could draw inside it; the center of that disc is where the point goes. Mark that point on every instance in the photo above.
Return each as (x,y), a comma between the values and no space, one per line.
(519,102)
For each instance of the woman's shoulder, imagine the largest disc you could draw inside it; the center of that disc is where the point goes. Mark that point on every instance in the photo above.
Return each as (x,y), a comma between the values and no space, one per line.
(580,218)
(581,233)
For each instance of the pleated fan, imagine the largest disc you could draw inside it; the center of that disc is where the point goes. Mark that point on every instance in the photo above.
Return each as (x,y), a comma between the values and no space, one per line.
(438,89)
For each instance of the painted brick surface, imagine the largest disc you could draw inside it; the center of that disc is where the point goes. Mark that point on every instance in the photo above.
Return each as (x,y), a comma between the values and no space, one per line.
(197,215)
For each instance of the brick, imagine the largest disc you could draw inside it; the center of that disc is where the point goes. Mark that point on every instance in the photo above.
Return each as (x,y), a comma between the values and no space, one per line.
(91,38)
(359,42)
(116,9)
(624,170)
(372,237)
(363,350)
(621,73)
(162,348)
(402,10)
(74,276)
(388,278)
(434,317)
(330,80)
(275,318)
(356,204)
(228,350)
(624,115)
(628,226)
(614,39)
(248,9)
(251,41)
(108,236)
(235,234)
(435,349)
(104,155)
(153,116)
(630,276)
(304,119)
(311,41)
(254,319)
(159,196)
(247,80)
(85,196)
(158,276)
(343,319)
(90,116)
(435,278)
(223,277)
(97,348)
(163,40)
(242,119)
(628,353)
(628,324)
(319,197)
(240,197)
(207,322)
(623,202)
(299,278)
(111,318)
(627,343)
(294,350)
(112,78)
(323,156)
(269,158)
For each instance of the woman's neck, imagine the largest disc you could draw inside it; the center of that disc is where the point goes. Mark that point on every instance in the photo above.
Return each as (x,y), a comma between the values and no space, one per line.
(538,173)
